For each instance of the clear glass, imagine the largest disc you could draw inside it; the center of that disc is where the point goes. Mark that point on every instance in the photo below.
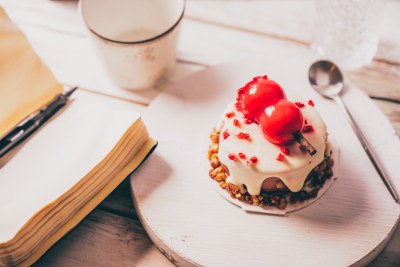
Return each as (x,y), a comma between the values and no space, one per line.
(347,31)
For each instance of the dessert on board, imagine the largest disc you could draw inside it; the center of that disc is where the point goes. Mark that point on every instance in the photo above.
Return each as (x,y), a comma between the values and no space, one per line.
(269,148)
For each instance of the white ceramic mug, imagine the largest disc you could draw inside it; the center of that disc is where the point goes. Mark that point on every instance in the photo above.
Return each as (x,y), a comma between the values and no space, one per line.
(135,39)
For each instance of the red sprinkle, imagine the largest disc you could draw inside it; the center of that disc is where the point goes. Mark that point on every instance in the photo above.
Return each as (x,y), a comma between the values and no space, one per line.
(232,156)
(280,157)
(230,115)
(299,104)
(285,150)
(249,162)
(225,134)
(307,128)
(243,135)
(241,155)
(247,121)
(236,123)
(311,103)
(254,160)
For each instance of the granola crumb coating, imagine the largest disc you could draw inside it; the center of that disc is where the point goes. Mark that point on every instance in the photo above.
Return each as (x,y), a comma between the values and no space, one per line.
(314,182)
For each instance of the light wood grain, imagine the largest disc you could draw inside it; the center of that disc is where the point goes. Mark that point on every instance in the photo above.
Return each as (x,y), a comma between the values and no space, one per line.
(110,236)
(213,32)
(222,45)
(378,79)
(392,111)
(295,23)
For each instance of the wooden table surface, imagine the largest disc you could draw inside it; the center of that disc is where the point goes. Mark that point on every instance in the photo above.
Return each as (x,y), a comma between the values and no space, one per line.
(212,32)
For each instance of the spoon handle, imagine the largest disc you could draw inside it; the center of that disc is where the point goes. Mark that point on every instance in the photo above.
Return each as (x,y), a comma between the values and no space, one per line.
(378,166)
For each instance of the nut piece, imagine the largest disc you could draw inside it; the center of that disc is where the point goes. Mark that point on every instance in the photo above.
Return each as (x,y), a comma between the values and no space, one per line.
(209,155)
(223,184)
(220,177)
(226,170)
(330,162)
(214,156)
(322,166)
(218,170)
(214,161)
(255,199)
(282,203)
(279,185)
(214,147)
(214,138)
(233,188)
(329,173)
(212,173)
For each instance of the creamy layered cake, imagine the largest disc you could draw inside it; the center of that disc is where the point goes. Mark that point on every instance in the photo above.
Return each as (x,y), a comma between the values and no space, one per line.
(269,148)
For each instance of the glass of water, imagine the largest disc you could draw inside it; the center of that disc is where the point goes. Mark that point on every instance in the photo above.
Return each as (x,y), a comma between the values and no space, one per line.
(347,31)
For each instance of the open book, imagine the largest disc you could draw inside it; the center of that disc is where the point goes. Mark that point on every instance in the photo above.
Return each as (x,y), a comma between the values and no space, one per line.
(51,181)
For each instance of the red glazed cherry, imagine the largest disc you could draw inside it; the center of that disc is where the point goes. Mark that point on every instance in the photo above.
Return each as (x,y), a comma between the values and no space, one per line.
(258,94)
(281,121)
(263,101)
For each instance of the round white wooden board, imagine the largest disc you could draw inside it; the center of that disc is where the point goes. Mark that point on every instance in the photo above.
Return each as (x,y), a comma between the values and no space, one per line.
(192,225)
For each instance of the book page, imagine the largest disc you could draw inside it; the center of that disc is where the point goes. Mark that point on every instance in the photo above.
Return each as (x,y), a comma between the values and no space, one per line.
(52,161)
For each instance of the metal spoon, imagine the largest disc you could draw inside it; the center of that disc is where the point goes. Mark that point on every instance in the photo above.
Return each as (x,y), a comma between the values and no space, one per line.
(325,77)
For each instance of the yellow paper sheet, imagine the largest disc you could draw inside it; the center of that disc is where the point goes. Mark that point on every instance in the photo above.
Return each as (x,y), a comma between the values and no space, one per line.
(26,84)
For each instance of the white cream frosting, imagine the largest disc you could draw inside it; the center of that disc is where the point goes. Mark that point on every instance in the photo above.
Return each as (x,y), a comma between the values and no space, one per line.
(293,170)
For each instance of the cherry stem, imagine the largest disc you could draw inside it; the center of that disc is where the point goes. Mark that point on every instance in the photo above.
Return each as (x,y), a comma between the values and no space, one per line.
(299,138)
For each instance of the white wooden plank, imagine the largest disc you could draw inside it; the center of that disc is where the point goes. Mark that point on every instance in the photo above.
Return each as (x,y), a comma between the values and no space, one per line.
(112,101)
(282,19)
(105,239)
(214,45)
(290,20)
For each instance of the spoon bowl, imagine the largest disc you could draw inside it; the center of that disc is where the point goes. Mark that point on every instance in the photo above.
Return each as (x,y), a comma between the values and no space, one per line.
(326,78)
